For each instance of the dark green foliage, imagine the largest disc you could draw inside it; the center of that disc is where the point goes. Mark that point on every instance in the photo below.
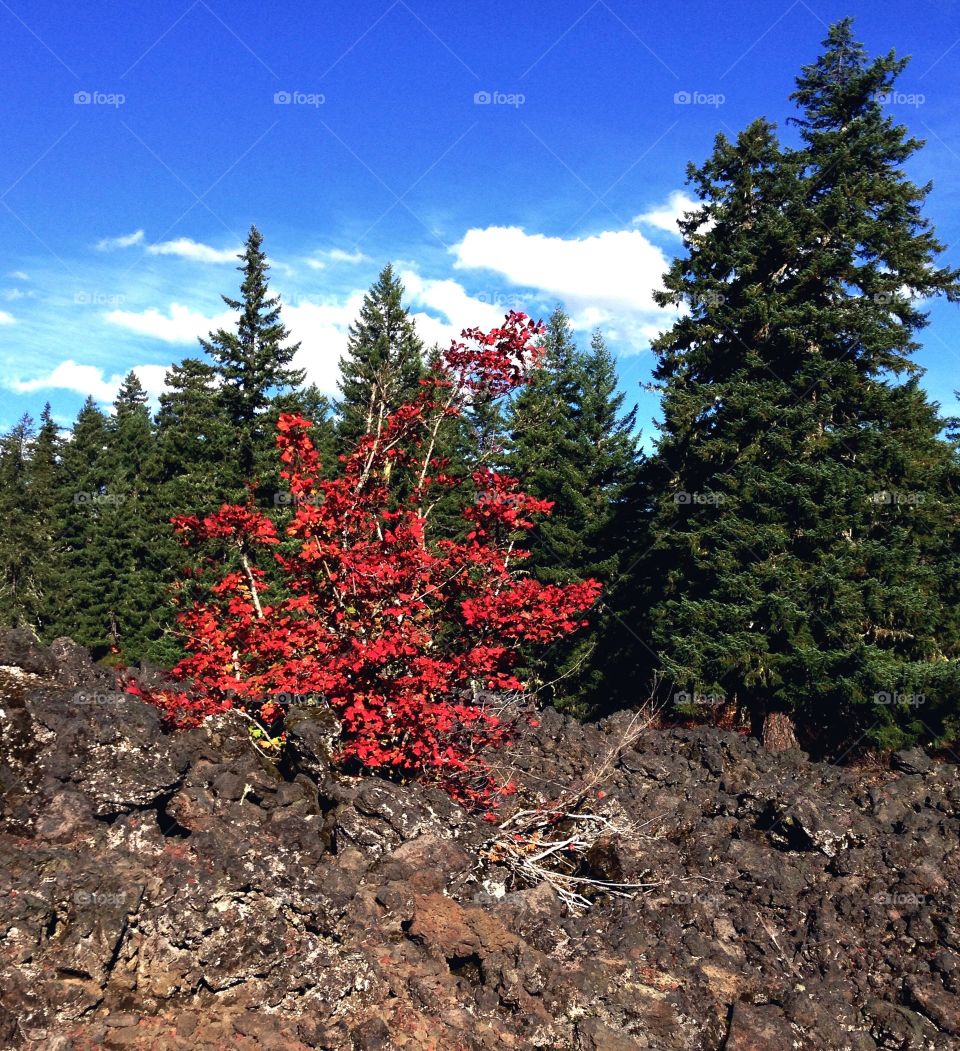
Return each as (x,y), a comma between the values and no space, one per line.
(194,446)
(83,490)
(108,542)
(253,363)
(383,364)
(571,443)
(802,497)
(21,558)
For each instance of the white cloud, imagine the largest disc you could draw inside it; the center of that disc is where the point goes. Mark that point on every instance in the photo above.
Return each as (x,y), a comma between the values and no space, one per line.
(181,325)
(152,377)
(336,255)
(666,216)
(606,279)
(449,298)
(86,379)
(13,294)
(321,329)
(108,244)
(185,248)
(19,275)
(7,319)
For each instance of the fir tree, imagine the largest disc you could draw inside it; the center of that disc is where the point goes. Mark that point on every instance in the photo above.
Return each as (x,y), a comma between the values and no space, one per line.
(128,536)
(20,588)
(572,443)
(383,364)
(193,441)
(43,481)
(76,608)
(543,453)
(253,363)
(803,480)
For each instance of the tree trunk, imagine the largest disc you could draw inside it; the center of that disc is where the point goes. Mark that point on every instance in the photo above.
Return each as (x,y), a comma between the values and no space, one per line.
(777,733)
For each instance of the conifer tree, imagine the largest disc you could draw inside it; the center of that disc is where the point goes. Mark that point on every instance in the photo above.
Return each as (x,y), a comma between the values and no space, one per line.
(802,477)
(76,608)
(543,453)
(128,536)
(194,443)
(572,443)
(20,588)
(383,364)
(43,482)
(253,362)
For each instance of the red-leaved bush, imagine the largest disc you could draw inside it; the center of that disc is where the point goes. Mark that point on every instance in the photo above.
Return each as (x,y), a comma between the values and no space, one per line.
(402,632)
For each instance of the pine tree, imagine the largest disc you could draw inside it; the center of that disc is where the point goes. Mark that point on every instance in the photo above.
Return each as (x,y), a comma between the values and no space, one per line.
(803,483)
(75,608)
(43,482)
(383,364)
(572,443)
(193,471)
(253,363)
(607,446)
(194,442)
(127,537)
(543,453)
(20,588)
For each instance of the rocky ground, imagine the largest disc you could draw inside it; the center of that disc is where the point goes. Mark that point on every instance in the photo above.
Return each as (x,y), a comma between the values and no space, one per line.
(182,892)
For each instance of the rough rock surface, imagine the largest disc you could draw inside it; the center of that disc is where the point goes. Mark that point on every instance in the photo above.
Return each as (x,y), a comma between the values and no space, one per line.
(181,892)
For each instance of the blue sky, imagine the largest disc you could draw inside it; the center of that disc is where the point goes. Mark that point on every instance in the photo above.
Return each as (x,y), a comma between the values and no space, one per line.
(500,154)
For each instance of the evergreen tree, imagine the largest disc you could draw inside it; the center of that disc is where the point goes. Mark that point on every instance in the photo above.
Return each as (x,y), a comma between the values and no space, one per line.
(20,587)
(76,607)
(572,443)
(128,537)
(43,482)
(253,363)
(543,453)
(193,472)
(110,558)
(804,483)
(194,443)
(383,364)
(607,447)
